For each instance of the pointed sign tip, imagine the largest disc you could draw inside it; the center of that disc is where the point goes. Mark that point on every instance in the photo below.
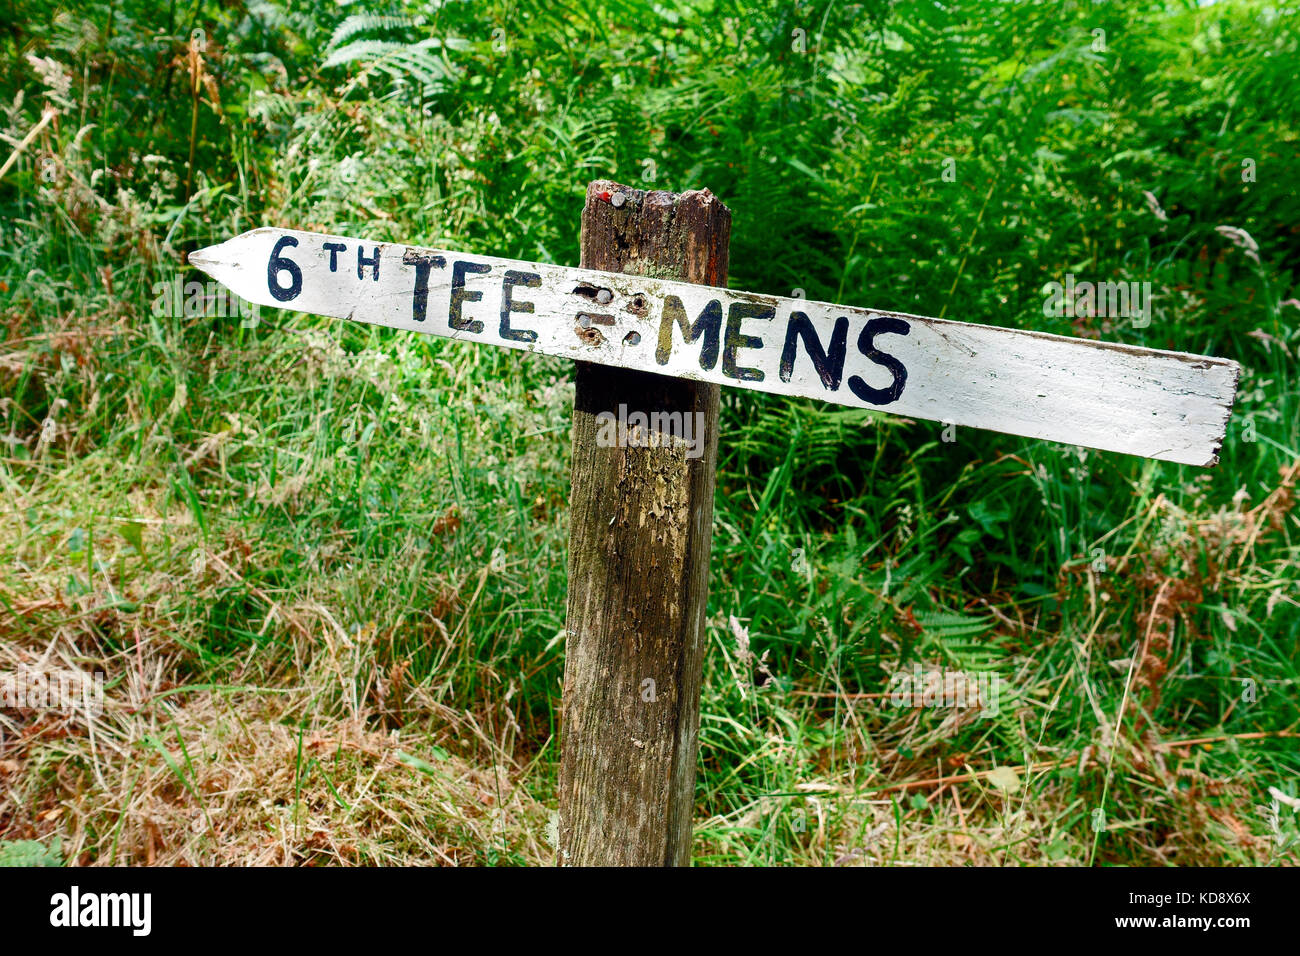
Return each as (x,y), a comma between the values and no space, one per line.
(204,258)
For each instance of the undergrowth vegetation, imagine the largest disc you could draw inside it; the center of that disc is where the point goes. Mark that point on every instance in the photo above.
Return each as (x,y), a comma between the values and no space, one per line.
(322,565)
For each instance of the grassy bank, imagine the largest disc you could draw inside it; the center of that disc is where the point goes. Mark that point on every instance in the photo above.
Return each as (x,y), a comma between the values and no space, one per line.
(322,566)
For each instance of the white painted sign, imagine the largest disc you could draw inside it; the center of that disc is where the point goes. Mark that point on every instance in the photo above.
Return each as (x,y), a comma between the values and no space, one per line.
(1157,404)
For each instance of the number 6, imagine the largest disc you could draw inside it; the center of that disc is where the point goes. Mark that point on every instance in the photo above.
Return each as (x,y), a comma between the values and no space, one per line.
(279,263)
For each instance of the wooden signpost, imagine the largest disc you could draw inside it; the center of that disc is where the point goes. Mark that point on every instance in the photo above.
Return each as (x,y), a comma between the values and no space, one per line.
(654,332)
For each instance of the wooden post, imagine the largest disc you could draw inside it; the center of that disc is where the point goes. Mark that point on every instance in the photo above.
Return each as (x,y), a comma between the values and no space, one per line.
(639,540)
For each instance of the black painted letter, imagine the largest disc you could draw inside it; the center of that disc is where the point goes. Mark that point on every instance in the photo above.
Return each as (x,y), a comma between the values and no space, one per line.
(363,261)
(830,366)
(734,341)
(420,300)
(335,248)
(459,296)
(708,325)
(530,280)
(866,345)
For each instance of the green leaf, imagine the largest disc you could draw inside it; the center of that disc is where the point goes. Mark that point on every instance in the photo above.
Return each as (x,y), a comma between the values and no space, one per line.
(1056,849)
(422,765)
(947,624)
(133,532)
(30,853)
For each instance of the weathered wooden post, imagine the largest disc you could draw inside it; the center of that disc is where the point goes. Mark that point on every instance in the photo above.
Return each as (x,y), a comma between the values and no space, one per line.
(641,523)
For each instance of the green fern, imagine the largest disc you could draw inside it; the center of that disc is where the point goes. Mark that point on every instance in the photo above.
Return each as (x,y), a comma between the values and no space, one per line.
(398,59)
(370,23)
(362,51)
(30,853)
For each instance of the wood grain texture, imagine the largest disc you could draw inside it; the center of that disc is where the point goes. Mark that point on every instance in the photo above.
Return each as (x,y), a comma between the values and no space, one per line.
(641,524)
(1158,404)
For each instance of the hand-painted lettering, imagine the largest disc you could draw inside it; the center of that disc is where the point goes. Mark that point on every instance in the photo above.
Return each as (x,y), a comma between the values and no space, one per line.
(734,341)
(460,295)
(334,249)
(708,325)
(829,365)
(529,280)
(278,264)
(423,266)
(880,325)
(373,262)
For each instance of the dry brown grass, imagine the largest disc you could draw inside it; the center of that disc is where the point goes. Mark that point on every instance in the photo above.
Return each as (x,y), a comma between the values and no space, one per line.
(237,777)
(307,752)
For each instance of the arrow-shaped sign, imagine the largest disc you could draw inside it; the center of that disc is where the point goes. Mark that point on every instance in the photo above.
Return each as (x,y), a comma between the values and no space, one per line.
(1149,402)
